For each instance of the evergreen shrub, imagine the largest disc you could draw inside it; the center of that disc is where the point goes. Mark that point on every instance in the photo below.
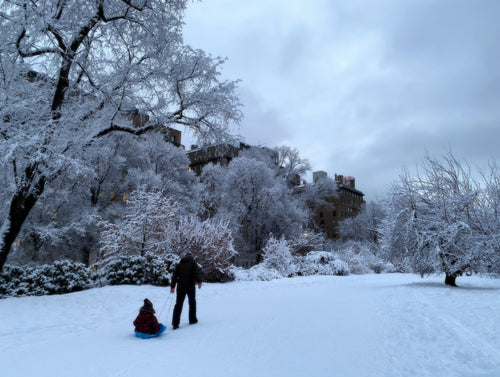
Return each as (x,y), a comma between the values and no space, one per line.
(56,278)
(132,269)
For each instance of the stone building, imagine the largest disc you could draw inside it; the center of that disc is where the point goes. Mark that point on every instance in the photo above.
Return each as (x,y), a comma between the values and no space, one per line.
(222,154)
(347,203)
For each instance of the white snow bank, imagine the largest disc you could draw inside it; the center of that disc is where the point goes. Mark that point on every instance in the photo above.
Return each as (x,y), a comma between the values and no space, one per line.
(359,326)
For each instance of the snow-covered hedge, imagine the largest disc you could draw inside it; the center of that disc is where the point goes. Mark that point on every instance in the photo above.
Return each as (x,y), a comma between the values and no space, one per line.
(132,269)
(56,278)
(67,276)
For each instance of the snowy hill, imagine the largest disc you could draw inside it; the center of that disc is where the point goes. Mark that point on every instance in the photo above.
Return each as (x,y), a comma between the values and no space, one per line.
(359,326)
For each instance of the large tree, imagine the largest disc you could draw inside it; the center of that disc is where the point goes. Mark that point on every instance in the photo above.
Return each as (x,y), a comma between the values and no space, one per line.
(63,223)
(442,220)
(254,200)
(72,72)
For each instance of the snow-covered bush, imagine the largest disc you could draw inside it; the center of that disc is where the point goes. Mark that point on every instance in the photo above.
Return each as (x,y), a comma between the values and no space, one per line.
(11,278)
(320,263)
(277,263)
(314,263)
(306,242)
(154,225)
(133,269)
(56,278)
(276,256)
(211,244)
(361,257)
(258,272)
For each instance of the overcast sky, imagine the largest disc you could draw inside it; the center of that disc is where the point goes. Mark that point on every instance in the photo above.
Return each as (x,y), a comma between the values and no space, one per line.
(361,88)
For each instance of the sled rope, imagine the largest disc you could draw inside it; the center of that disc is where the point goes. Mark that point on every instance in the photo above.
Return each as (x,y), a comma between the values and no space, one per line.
(169,300)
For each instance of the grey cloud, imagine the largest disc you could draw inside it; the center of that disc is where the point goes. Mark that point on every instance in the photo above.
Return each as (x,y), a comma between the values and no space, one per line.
(262,125)
(361,87)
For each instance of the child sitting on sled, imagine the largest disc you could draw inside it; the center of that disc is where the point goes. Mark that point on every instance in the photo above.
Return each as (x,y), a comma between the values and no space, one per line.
(146,322)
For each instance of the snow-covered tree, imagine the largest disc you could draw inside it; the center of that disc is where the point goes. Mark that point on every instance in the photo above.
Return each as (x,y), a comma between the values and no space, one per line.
(291,165)
(73,72)
(254,200)
(433,220)
(213,181)
(363,227)
(210,242)
(486,216)
(145,229)
(63,223)
(155,225)
(159,165)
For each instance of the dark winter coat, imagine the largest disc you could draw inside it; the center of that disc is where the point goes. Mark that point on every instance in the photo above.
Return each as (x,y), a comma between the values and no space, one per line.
(146,323)
(186,275)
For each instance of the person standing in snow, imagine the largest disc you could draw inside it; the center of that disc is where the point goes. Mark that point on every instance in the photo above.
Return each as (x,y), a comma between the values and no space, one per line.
(186,275)
(146,321)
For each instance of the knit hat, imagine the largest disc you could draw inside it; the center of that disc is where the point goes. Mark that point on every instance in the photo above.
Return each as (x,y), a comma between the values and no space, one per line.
(188,255)
(148,306)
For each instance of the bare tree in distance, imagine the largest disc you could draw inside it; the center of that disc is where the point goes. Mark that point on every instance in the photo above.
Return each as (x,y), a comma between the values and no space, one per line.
(291,165)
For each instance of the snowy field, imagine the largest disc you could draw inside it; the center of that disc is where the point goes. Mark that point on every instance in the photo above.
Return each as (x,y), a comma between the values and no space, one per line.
(359,326)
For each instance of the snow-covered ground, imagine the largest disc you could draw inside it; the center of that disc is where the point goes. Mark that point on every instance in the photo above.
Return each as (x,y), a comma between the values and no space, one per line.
(360,326)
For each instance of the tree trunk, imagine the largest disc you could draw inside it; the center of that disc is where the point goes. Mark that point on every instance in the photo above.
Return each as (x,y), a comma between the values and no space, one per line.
(450,279)
(20,206)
